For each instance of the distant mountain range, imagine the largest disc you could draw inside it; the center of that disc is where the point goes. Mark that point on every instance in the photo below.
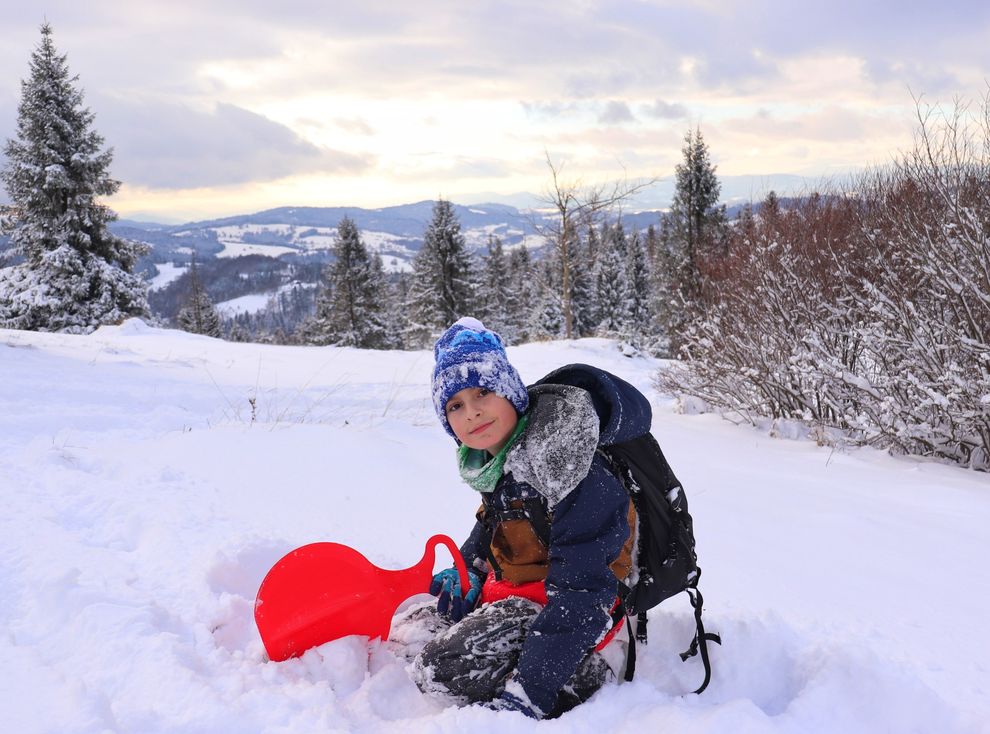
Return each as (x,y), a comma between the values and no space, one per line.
(306,234)
(395,232)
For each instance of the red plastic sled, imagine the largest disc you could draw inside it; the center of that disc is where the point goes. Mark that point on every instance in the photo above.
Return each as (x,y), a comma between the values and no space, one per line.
(324,591)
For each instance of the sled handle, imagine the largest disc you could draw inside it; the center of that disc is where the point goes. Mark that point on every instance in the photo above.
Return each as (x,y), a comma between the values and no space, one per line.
(429,558)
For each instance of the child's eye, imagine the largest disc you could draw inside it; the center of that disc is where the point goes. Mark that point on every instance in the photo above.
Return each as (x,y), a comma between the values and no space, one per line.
(452,407)
(482,392)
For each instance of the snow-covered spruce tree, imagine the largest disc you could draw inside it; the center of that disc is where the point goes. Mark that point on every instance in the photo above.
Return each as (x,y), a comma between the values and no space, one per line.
(522,292)
(238,333)
(440,292)
(612,286)
(379,288)
(638,294)
(198,315)
(692,232)
(75,274)
(546,319)
(494,290)
(583,297)
(397,321)
(350,311)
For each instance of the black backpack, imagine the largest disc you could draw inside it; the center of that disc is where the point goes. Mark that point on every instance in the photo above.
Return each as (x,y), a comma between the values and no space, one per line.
(666,556)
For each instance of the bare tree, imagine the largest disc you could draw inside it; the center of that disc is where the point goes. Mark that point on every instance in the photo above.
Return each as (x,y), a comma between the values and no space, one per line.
(576,205)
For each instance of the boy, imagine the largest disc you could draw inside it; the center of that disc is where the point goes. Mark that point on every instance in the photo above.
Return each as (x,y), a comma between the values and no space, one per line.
(553,536)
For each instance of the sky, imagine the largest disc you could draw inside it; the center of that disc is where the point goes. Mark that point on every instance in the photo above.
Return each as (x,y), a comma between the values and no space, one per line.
(218,107)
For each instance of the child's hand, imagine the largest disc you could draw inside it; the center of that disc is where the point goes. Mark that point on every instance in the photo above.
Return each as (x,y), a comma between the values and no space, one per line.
(451,602)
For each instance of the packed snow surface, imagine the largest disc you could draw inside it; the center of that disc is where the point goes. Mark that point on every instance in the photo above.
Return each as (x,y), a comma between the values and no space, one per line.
(145,498)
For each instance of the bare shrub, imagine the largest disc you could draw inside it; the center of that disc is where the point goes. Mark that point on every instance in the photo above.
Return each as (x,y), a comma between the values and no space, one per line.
(866,312)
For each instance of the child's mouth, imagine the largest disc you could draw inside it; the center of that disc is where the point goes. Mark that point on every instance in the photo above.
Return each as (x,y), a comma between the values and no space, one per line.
(482,427)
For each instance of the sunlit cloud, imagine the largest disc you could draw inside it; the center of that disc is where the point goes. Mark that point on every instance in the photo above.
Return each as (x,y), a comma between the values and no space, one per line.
(241,105)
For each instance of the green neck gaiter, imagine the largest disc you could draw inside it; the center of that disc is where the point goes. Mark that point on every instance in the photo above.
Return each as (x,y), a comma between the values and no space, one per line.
(480,472)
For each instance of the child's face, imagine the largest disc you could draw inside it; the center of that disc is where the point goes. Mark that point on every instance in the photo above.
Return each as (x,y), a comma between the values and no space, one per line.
(481,419)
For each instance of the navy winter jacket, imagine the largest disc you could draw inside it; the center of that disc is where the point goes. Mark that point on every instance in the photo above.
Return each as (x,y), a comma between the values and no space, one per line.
(588,529)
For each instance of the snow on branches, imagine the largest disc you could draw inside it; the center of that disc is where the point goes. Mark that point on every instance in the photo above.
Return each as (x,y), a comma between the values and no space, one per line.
(75,274)
(866,315)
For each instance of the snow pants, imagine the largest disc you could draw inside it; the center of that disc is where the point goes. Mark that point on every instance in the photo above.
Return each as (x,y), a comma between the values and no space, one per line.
(471,660)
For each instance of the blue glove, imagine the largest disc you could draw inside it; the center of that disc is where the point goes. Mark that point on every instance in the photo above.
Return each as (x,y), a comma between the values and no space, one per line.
(451,603)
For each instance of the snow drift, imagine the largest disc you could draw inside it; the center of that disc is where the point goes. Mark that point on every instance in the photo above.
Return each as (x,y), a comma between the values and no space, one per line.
(150,478)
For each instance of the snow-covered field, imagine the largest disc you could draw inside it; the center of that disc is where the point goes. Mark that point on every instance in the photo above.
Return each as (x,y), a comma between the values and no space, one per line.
(251,303)
(144,498)
(167,272)
(308,238)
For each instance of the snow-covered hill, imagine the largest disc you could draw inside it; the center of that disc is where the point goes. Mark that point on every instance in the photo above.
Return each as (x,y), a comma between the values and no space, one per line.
(396,232)
(145,496)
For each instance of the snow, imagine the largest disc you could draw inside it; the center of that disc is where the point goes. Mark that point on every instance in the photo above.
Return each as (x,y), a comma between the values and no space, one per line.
(556,451)
(233,248)
(167,272)
(251,303)
(143,505)
(235,230)
(308,238)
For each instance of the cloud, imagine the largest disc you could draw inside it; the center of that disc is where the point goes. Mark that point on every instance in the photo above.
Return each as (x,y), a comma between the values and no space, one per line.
(831,124)
(547,110)
(557,49)
(921,78)
(355,125)
(615,112)
(177,147)
(662,110)
(437,166)
(176,80)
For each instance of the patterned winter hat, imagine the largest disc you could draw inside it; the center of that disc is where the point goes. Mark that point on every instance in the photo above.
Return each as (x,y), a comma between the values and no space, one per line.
(469,355)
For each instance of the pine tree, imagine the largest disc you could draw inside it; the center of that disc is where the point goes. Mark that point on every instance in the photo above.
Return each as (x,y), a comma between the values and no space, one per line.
(198,316)
(638,294)
(691,232)
(521,295)
(612,286)
(590,313)
(584,309)
(76,275)
(398,316)
(350,310)
(495,286)
(385,335)
(238,333)
(546,319)
(652,245)
(440,292)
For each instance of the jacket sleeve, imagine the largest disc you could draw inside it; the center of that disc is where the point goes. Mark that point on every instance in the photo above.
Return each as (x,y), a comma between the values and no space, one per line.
(589,527)
(473,549)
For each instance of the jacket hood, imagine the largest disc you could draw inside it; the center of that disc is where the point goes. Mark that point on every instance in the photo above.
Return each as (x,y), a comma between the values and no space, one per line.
(555,451)
(624,413)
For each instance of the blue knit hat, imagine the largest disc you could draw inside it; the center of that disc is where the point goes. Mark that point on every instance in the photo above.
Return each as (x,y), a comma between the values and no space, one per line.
(469,355)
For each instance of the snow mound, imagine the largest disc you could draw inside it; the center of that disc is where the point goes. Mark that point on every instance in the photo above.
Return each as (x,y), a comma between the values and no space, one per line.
(144,503)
